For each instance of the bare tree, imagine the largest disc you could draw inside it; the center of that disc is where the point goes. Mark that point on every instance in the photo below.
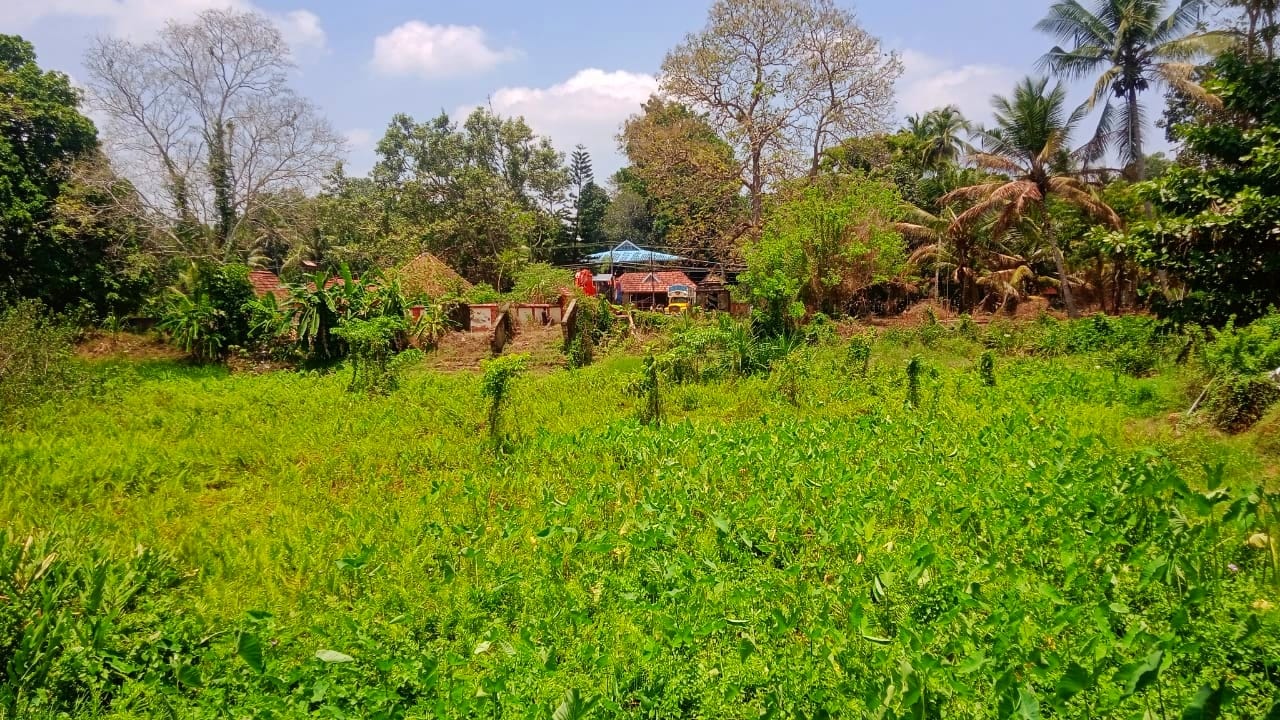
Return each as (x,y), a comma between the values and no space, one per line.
(203,123)
(783,80)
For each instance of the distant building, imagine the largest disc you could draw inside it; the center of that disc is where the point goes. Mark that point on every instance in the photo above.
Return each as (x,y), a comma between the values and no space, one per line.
(266,283)
(648,290)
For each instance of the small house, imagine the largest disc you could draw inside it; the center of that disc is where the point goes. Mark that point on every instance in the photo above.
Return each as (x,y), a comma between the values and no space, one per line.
(649,290)
(266,283)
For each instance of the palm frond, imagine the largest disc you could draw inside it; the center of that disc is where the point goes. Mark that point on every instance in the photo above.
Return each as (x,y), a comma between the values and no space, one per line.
(1181,77)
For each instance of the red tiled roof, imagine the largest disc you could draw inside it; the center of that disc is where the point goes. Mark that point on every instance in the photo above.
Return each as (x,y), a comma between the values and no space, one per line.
(657,282)
(266,282)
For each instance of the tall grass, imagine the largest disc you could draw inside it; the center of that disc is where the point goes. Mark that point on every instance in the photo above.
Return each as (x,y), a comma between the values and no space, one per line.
(276,546)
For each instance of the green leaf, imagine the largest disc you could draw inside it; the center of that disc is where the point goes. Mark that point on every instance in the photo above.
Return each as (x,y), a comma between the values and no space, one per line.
(1074,681)
(189,676)
(333,656)
(249,648)
(1028,704)
(877,639)
(746,649)
(573,706)
(1137,676)
(973,664)
(319,691)
(878,592)
(1207,704)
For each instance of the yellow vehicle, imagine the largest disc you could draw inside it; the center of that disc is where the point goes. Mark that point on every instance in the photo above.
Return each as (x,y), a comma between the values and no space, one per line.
(679,297)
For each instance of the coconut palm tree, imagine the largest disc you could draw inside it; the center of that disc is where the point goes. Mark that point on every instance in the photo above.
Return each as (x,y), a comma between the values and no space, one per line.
(1262,20)
(941,135)
(1028,148)
(937,242)
(1127,46)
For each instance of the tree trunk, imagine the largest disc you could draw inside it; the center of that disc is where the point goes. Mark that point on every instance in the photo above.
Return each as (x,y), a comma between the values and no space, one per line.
(1099,272)
(1061,264)
(962,269)
(1135,137)
(757,189)
(1118,290)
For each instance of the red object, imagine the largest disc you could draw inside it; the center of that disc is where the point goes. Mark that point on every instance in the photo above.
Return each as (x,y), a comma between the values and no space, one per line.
(585,280)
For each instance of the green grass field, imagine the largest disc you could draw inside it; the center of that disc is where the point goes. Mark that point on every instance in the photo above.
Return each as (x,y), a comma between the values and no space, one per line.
(183,542)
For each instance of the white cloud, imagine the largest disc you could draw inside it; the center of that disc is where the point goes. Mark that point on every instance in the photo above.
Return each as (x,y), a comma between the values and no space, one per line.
(140,19)
(929,82)
(430,51)
(302,30)
(586,109)
(358,138)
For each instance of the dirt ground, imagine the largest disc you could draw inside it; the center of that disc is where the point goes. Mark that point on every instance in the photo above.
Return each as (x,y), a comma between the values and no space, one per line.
(126,346)
(463,351)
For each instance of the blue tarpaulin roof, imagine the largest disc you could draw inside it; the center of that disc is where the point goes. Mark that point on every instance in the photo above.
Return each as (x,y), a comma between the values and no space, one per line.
(629,252)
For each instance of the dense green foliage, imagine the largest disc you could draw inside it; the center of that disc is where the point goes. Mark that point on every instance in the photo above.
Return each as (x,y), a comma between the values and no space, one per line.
(206,313)
(42,134)
(35,356)
(822,243)
(1217,226)
(1036,546)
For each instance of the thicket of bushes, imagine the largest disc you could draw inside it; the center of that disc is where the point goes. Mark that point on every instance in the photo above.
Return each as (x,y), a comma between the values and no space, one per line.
(36,352)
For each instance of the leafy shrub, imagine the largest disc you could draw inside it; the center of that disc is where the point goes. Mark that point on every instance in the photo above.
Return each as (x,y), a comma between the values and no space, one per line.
(193,325)
(74,630)
(495,385)
(371,344)
(930,331)
(987,368)
(647,320)
(593,326)
(580,352)
(319,306)
(270,326)
(1252,349)
(820,329)
(540,283)
(481,293)
(35,355)
(647,389)
(432,324)
(1135,360)
(1236,403)
(915,368)
(858,353)
(790,375)
(209,310)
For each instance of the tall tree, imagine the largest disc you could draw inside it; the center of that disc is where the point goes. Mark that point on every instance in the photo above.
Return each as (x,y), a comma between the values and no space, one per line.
(42,133)
(942,136)
(1029,146)
(1127,46)
(581,175)
(689,176)
(1215,235)
(202,121)
(476,194)
(580,172)
(782,80)
(1259,25)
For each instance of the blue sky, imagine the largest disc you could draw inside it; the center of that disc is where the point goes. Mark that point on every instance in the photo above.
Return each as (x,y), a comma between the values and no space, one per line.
(573,68)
